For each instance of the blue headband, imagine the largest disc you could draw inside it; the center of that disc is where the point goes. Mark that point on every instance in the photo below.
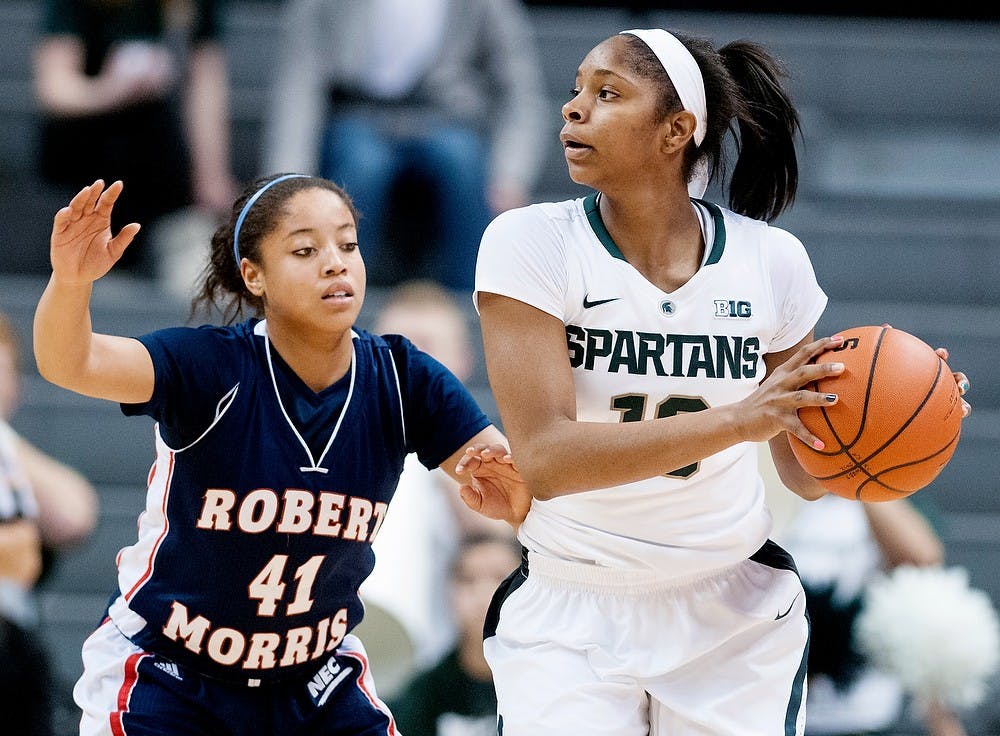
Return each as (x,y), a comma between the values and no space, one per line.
(249,204)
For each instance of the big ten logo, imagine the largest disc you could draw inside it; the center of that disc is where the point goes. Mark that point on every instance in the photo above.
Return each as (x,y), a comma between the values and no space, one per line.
(732,308)
(850,343)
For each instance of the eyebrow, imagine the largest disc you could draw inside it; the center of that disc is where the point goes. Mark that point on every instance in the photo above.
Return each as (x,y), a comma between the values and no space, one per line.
(301,230)
(601,72)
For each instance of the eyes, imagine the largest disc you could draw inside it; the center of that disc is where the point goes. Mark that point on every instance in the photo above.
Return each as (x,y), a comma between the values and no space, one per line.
(604,93)
(304,251)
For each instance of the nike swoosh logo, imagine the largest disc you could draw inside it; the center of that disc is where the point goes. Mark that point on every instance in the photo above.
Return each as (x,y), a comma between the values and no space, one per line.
(782,615)
(587,304)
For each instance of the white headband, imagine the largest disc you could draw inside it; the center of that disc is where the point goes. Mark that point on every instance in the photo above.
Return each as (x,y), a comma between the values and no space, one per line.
(683,71)
(686,77)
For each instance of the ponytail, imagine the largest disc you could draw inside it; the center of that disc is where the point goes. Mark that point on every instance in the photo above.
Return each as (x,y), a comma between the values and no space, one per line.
(766,175)
(743,96)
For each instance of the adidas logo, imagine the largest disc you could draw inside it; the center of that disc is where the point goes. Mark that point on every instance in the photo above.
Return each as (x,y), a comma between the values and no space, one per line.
(170,668)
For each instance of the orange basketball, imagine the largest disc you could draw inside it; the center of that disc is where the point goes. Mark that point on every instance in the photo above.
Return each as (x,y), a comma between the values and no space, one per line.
(896,423)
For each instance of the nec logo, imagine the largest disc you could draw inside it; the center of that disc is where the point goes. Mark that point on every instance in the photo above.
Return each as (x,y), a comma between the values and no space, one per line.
(732,308)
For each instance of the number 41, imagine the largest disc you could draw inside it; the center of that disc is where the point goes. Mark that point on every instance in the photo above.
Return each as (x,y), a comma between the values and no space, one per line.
(268,587)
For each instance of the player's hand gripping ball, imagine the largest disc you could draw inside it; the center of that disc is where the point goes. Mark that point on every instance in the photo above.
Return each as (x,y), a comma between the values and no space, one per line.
(896,423)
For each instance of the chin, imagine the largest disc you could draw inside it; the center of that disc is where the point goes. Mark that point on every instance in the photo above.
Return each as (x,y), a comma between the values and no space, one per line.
(578,177)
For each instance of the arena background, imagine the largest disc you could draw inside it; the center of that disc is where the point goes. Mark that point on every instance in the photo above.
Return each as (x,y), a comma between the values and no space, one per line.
(899,207)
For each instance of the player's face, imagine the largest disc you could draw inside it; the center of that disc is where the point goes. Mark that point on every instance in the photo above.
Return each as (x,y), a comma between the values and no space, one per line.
(611,132)
(312,272)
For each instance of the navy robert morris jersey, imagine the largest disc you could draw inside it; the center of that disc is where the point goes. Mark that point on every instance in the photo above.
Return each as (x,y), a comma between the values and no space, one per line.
(265,496)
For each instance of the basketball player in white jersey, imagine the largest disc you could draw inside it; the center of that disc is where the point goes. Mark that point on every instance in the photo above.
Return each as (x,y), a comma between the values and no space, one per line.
(639,341)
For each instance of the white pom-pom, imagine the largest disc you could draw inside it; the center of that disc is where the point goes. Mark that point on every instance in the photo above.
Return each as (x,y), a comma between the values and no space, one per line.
(927,627)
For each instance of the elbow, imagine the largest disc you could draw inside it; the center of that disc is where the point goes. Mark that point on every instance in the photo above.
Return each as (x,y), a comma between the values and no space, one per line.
(539,483)
(539,476)
(49,370)
(541,457)
(542,491)
(53,365)
(801,483)
(930,554)
(75,521)
(86,518)
(44,368)
(811,492)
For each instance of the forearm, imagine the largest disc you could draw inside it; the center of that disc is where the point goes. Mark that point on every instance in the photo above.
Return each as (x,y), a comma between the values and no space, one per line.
(792,475)
(20,552)
(570,456)
(61,87)
(63,333)
(207,114)
(67,502)
(72,96)
(903,534)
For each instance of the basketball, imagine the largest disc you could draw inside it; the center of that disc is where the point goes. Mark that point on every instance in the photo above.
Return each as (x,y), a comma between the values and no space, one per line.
(896,423)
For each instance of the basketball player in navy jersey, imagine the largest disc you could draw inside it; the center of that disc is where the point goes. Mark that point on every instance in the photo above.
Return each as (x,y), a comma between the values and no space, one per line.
(279,441)
(666,335)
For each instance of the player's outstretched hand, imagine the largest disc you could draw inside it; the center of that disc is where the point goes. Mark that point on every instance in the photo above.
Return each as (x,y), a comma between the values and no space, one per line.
(82,248)
(495,488)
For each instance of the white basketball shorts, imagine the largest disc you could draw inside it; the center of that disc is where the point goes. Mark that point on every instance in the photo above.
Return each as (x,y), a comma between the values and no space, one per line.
(580,650)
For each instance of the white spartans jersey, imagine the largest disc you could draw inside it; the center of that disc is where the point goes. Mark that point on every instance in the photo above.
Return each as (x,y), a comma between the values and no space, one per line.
(638,353)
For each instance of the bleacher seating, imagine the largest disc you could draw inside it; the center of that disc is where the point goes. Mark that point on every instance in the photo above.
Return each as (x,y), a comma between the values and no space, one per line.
(899,207)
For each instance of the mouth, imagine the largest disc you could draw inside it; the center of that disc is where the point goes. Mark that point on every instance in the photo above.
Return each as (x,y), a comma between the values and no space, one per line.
(338,293)
(573,147)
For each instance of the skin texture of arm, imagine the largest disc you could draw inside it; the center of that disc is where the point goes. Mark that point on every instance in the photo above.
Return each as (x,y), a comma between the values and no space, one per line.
(63,89)
(791,473)
(489,482)
(207,115)
(903,534)
(60,86)
(67,502)
(559,455)
(20,552)
(67,351)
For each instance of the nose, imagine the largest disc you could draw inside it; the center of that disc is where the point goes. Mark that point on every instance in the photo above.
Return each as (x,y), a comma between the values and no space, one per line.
(572,109)
(333,261)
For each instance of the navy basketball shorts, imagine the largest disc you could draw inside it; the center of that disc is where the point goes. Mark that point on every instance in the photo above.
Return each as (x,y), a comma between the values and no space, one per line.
(581,650)
(125,691)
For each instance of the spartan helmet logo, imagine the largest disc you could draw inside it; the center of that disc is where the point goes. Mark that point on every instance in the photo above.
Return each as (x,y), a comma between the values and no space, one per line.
(667,308)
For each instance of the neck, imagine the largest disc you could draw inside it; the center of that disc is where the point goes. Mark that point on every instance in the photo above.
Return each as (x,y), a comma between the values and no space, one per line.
(658,232)
(318,359)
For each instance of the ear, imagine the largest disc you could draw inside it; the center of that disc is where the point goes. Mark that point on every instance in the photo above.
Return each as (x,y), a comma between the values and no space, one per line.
(253,277)
(678,130)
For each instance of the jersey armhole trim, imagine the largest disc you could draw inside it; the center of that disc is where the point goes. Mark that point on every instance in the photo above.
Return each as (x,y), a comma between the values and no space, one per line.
(399,395)
(220,409)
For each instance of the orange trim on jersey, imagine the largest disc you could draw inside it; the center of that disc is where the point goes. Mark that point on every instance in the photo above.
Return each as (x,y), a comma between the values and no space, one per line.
(125,692)
(166,526)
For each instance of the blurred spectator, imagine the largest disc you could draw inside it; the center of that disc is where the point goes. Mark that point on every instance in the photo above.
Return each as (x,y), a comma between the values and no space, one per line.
(455,697)
(137,90)
(45,507)
(403,101)
(418,540)
(840,548)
